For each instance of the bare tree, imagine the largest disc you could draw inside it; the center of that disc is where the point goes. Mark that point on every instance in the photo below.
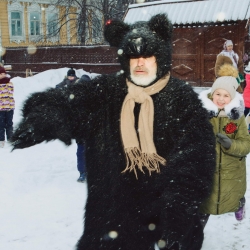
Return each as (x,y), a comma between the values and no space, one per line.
(85,19)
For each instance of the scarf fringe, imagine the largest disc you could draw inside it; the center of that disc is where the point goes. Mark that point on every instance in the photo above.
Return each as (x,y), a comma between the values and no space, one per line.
(135,158)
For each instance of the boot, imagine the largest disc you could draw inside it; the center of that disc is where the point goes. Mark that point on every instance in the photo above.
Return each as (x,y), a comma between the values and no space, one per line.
(1,144)
(82,177)
(240,213)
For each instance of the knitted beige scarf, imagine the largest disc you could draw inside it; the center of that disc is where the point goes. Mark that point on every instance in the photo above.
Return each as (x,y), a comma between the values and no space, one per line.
(141,154)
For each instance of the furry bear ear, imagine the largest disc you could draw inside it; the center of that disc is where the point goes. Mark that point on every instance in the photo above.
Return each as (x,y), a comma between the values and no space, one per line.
(161,25)
(114,31)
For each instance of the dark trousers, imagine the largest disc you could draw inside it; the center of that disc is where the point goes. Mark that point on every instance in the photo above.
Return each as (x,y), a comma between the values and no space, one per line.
(6,124)
(80,153)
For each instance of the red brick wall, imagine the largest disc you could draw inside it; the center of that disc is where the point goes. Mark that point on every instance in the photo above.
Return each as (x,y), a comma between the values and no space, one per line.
(96,59)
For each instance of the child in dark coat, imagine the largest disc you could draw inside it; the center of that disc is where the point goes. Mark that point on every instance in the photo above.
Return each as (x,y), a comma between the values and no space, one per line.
(80,153)
(71,78)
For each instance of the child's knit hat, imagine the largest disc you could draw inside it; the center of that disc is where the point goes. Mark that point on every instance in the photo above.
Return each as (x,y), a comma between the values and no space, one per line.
(228,83)
(71,72)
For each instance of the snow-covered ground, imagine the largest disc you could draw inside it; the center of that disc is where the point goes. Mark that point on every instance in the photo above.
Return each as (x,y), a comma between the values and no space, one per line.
(42,205)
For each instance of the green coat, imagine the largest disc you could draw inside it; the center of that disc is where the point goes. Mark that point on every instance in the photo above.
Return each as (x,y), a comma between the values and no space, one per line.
(229,184)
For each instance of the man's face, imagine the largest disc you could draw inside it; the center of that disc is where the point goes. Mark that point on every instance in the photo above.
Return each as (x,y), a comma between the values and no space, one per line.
(143,70)
(2,75)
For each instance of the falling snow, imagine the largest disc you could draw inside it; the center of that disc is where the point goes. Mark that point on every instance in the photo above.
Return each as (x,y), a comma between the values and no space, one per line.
(42,205)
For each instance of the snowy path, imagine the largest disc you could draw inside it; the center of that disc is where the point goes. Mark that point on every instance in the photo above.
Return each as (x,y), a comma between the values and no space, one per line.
(42,204)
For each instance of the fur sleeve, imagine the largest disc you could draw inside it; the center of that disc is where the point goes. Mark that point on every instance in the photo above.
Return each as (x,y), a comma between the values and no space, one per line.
(60,113)
(191,164)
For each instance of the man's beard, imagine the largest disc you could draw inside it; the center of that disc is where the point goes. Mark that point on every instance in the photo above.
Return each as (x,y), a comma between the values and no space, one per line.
(142,80)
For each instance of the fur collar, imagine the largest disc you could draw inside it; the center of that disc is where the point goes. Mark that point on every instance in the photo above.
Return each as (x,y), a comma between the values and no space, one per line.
(234,110)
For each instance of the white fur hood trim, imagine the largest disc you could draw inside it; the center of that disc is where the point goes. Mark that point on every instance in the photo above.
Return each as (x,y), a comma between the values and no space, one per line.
(234,110)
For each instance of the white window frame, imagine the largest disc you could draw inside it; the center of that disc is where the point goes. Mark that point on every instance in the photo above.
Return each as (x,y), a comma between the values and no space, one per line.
(35,8)
(52,10)
(36,23)
(16,7)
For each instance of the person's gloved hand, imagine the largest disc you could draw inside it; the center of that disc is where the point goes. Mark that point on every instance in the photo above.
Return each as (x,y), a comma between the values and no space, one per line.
(29,134)
(40,125)
(24,137)
(224,140)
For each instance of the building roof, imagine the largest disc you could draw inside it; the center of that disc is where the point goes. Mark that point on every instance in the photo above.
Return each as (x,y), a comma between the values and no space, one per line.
(191,12)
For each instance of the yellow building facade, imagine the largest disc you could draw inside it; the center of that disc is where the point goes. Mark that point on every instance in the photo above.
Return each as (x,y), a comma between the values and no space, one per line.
(34,22)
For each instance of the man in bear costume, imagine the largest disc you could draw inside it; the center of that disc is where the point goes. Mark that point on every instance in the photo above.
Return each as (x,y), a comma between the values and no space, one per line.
(150,147)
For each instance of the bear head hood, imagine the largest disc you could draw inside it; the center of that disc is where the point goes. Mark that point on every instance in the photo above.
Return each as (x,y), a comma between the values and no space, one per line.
(142,39)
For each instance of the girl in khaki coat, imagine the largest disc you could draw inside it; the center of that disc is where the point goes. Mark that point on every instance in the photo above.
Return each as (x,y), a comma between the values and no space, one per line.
(226,111)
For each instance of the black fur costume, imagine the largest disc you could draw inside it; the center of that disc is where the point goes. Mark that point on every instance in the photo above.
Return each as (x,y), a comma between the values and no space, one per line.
(122,212)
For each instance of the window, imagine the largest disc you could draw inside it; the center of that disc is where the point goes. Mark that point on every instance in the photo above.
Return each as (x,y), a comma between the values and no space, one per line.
(35,23)
(16,24)
(52,24)
(52,19)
